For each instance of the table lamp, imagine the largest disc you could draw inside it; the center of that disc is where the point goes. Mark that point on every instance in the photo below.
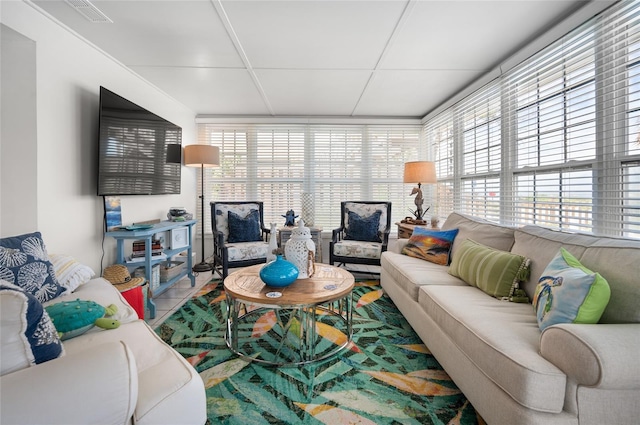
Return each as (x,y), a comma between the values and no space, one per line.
(419,172)
(202,156)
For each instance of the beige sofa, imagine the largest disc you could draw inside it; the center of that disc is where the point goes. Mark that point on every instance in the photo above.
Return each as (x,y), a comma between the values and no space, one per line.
(126,375)
(494,351)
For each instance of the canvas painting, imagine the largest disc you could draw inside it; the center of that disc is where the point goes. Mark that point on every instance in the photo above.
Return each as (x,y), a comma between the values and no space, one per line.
(112,212)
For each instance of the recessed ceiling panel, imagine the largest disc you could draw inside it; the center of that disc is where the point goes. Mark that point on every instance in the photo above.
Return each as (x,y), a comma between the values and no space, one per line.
(410,93)
(314,34)
(470,34)
(154,33)
(209,91)
(318,92)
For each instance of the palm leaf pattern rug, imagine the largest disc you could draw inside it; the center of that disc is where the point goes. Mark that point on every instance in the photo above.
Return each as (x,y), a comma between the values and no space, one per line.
(386,376)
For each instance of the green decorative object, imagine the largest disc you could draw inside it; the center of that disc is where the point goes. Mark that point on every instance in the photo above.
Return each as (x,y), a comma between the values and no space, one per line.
(73,318)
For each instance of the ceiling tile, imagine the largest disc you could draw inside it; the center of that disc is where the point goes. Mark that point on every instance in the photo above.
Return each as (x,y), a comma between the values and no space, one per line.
(469,34)
(316,92)
(410,93)
(155,33)
(209,91)
(314,34)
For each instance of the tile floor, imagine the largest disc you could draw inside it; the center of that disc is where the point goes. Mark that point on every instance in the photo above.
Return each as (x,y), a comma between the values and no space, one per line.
(174,297)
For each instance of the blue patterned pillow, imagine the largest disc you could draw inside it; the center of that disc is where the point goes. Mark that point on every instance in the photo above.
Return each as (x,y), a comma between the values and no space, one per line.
(430,245)
(24,262)
(245,229)
(28,338)
(363,228)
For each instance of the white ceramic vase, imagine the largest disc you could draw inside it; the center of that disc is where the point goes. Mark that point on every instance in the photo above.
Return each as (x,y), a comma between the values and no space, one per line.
(301,250)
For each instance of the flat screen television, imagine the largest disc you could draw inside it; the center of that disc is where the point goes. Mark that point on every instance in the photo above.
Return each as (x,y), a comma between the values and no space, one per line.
(132,149)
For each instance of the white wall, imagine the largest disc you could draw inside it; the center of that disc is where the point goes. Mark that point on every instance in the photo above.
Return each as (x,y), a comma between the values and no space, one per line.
(69,73)
(18,208)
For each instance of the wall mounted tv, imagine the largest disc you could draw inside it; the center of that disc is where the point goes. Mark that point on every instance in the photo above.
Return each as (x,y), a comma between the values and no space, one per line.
(132,149)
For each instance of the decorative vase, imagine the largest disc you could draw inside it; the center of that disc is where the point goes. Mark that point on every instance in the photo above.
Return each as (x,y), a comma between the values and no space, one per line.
(279,273)
(308,208)
(273,243)
(301,250)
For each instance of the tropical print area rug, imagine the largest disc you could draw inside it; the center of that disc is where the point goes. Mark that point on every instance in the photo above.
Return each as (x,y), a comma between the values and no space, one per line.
(386,376)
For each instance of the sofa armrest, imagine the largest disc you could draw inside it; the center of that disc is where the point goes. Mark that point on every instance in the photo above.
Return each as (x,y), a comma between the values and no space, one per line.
(397,247)
(98,385)
(601,355)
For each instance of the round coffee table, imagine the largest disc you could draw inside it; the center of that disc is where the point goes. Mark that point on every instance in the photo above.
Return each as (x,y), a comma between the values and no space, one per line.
(281,326)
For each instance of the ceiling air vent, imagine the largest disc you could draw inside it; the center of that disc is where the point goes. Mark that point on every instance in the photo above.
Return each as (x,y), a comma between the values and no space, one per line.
(89,11)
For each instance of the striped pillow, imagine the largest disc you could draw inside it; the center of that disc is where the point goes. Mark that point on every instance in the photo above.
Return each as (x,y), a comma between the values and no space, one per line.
(495,272)
(69,272)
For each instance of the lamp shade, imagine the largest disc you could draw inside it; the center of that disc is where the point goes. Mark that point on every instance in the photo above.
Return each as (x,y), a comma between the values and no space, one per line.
(420,172)
(201,156)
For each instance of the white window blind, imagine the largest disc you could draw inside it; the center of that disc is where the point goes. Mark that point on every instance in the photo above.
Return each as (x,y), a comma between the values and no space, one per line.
(559,145)
(276,164)
(439,136)
(481,152)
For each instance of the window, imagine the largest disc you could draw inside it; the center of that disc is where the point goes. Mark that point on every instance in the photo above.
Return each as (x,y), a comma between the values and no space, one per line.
(555,140)
(277,164)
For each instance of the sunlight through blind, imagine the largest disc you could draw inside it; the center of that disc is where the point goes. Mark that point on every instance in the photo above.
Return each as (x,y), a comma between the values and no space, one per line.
(277,164)
(555,140)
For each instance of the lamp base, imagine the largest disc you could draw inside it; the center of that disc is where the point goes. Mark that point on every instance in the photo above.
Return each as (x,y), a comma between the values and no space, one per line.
(202,267)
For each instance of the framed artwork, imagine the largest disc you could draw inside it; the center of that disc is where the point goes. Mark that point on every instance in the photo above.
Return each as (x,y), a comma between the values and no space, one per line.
(179,237)
(112,212)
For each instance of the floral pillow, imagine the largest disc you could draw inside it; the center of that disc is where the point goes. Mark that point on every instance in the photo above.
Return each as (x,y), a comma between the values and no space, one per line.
(430,245)
(568,292)
(25,263)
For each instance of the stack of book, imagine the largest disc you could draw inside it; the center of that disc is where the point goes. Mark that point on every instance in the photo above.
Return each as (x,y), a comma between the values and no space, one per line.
(138,250)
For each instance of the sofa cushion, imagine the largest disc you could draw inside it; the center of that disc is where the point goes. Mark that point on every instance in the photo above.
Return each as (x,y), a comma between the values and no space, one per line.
(618,261)
(170,390)
(483,231)
(540,245)
(411,273)
(568,292)
(496,272)
(69,272)
(27,335)
(244,228)
(24,262)
(363,228)
(502,339)
(431,245)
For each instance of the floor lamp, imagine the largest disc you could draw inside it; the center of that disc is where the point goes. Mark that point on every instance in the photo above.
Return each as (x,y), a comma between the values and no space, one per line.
(202,156)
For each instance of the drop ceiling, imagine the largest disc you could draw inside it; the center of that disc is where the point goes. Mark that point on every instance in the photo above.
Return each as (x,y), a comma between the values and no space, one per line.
(362,58)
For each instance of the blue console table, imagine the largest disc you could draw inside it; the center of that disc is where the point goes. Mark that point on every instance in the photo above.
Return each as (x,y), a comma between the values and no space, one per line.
(147,234)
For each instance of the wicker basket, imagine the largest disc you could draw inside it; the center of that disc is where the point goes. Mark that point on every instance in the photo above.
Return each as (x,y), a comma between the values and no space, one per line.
(170,269)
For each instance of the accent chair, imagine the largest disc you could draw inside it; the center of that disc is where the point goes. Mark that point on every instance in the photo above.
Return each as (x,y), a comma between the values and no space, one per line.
(239,235)
(363,234)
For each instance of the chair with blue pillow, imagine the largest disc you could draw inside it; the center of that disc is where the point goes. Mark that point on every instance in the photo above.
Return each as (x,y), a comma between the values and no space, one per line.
(363,234)
(239,235)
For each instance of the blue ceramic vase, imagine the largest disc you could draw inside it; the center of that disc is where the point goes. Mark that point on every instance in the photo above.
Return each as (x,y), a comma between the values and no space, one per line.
(279,273)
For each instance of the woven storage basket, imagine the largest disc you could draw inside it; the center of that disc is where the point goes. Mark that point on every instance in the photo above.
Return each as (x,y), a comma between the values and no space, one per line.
(170,269)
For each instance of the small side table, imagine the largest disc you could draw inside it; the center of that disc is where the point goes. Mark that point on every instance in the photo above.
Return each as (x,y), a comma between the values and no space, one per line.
(284,234)
(405,230)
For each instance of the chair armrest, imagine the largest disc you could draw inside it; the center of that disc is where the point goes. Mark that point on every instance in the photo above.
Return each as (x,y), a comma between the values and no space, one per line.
(600,355)
(336,234)
(96,385)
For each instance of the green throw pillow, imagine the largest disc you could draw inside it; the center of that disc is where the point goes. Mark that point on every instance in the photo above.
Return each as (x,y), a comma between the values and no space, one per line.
(568,292)
(493,271)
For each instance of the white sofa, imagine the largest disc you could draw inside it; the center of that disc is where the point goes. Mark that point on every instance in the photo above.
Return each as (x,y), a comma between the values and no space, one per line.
(494,351)
(126,375)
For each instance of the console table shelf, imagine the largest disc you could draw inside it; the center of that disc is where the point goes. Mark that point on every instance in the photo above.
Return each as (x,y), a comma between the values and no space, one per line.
(147,235)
